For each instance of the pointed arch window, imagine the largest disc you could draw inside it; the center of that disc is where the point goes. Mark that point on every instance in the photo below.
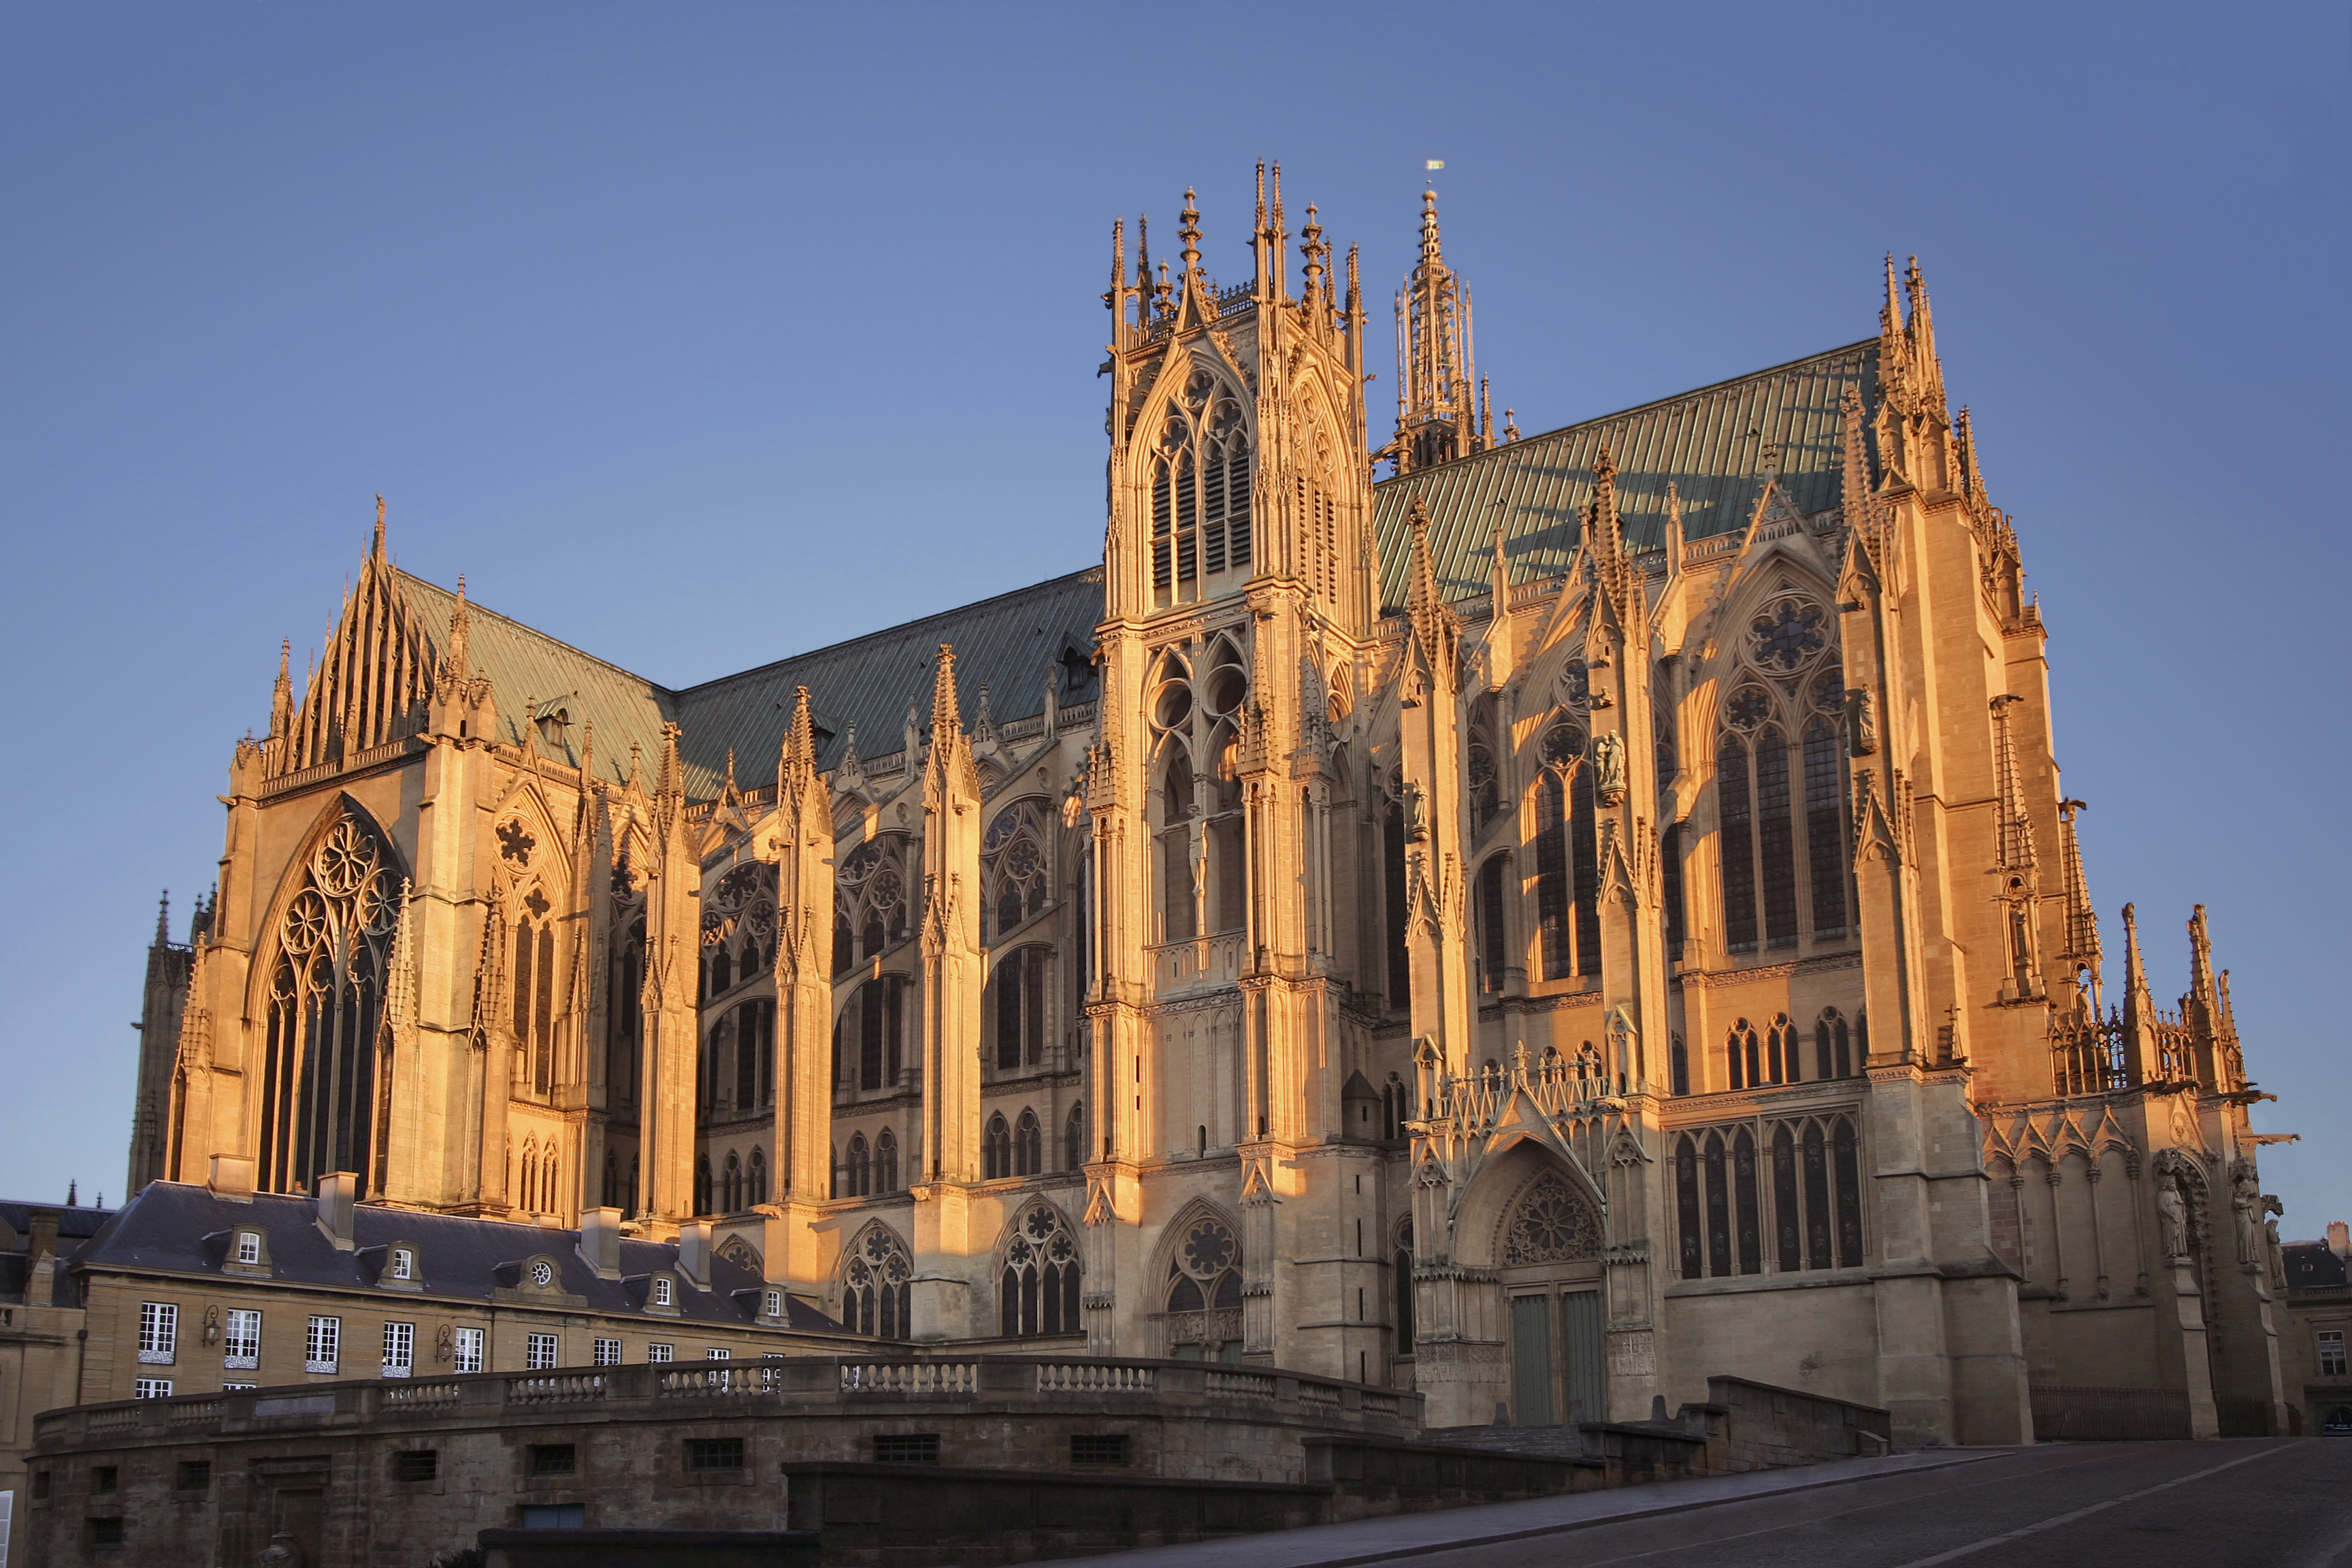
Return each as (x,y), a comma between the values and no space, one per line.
(1038,1290)
(996,1149)
(758,1183)
(319,1095)
(1781,805)
(702,1193)
(1074,1139)
(858,1170)
(1179,895)
(1404,1291)
(1201,489)
(1204,1302)
(886,1161)
(731,1183)
(1568,909)
(1028,1145)
(1833,1055)
(1016,866)
(1743,1057)
(870,900)
(877,1291)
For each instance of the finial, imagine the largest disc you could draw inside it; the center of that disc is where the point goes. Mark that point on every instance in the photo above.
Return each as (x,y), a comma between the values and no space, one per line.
(1191,234)
(73,1193)
(1261,196)
(1117,263)
(1277,197)
(1510,426)
(377,549)
(164,919)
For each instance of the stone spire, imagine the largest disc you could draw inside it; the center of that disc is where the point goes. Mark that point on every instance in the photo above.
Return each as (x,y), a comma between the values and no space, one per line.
(1438,414)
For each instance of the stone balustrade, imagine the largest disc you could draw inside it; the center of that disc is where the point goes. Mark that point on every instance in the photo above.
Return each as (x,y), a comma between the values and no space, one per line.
(799,1385)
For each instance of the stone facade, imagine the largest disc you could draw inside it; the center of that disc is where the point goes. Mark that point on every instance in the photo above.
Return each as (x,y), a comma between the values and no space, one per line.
(1580,915)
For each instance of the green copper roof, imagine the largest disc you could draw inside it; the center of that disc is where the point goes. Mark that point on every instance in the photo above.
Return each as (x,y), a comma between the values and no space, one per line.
(1708,443)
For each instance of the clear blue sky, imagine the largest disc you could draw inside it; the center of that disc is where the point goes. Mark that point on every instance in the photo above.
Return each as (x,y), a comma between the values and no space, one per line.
(700,335)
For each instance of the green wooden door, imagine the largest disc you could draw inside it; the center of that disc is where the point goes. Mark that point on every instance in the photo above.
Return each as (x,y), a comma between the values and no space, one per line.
(1580,1352)
(1531,1360)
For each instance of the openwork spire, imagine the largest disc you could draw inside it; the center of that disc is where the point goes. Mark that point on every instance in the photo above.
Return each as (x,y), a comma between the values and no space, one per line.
(1438,409)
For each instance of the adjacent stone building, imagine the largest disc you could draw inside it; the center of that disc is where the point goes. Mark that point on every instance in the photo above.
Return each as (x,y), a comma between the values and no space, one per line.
(1582,914)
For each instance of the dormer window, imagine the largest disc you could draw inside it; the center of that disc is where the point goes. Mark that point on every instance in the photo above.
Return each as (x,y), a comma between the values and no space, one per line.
(662,1293)
(553,723)
(248,1247)
(403,1263)
(775,1304)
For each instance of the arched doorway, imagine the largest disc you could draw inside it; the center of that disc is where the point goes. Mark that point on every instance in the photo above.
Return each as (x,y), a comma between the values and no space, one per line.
(1546,1247)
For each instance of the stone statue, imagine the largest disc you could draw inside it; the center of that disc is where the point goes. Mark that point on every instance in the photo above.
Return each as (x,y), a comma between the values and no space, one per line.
(1609,769)
(2172,1218)
(1862,706)
(1416,813)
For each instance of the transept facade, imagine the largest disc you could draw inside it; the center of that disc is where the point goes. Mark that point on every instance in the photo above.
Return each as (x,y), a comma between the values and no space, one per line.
(1557,922)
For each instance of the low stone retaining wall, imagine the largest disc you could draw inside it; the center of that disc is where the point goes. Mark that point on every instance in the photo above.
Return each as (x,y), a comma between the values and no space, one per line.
(901,1463)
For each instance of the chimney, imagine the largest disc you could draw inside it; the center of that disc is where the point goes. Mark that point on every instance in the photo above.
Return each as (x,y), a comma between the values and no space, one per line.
(41,1257)
(2339,1238)
(693,1252)
(231,1178)
(338,1191)
(600,1241)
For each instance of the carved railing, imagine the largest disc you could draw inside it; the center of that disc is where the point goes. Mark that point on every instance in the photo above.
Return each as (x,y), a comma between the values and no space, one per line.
(1560,1086)
(2088,1057)
(787,1386)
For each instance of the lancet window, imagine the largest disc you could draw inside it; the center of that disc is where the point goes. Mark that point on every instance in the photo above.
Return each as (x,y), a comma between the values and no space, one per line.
(1494,941)
(624,1007)
(1201,489)
(996,1149)
(1808,1198)
(870,902)
(1567,909)
(1204,1302)
(1752,1060)
(875,1020)
(324,1011)
(1200,834)
(1485,779)
(1074,1139)
(757,1179)
(876,1292)
(1038,1290)
(1020,988)
(1783,868)
(1016,866)
(1833,1053)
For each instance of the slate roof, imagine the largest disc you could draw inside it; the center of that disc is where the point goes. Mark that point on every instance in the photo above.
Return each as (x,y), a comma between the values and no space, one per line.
(2311,1264)
(75,1226)
(1002,643)
(1709,444)
(175,1227)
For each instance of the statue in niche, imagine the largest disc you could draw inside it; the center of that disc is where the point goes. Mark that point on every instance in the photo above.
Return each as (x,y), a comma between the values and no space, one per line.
(2171,1217)
(1609,769)
(1416,813)
(1862,708)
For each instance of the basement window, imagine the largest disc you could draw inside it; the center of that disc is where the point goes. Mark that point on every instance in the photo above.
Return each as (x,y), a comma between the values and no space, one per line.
(417,1464)
(907,1447)
(1099,1448)
(704,1455)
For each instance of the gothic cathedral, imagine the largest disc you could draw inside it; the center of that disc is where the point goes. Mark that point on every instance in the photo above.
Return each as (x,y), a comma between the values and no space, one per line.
(1583,913)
